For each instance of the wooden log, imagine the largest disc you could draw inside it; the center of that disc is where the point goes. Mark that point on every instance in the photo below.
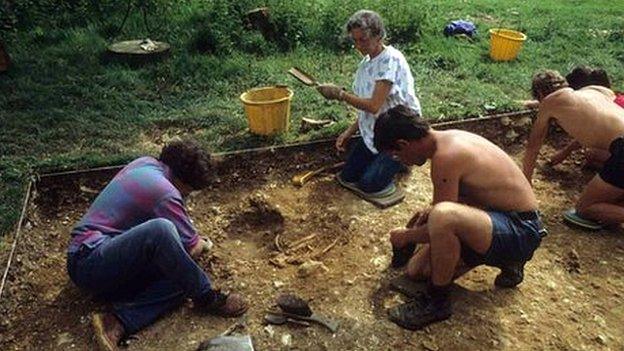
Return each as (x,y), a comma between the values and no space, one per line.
(259,19)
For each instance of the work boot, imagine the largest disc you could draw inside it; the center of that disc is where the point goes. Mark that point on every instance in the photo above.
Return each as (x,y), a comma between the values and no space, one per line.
(224,305)
(108,331)
(421,312)
(511,275)
(400,256)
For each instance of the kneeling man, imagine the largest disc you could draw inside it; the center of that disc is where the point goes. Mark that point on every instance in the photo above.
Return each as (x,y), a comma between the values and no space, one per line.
(483,212)
(136,245)
(590,116)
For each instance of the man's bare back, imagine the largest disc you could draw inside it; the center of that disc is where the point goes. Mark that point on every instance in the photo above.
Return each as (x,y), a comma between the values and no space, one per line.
(488,178)
(589,115)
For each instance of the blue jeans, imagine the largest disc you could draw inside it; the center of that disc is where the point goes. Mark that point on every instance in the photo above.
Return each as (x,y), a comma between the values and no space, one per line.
(371,172)
(145,271)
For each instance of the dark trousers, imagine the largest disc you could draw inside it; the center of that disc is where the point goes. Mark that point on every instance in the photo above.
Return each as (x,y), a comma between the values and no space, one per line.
(145,271)
(371,172)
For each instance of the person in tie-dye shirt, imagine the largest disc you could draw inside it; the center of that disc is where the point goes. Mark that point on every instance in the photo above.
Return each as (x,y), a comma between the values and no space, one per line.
(136,245)
(383,80)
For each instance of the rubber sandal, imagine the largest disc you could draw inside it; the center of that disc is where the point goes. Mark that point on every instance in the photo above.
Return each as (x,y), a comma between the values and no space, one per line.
(387,197)
(387,191)
(572,217)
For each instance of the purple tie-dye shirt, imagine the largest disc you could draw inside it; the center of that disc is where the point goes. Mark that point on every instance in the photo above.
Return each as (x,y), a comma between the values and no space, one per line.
(139,192)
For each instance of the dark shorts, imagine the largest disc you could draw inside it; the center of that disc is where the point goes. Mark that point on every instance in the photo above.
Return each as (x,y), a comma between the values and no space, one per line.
(515,236)
(613,170)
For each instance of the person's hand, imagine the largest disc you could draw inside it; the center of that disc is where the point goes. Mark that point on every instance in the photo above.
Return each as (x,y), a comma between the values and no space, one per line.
(202,245)
(532,104)
(419,218)
(330,91)
(557,158)
(399,237)
(342,140)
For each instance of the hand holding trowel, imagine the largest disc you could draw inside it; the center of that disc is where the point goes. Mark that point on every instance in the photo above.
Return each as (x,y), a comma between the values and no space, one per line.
(328,90)
(303,77)
(310,81)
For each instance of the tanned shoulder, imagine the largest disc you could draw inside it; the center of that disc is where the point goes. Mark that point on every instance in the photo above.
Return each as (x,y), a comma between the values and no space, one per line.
(452,155)
(558,98)
(608,93)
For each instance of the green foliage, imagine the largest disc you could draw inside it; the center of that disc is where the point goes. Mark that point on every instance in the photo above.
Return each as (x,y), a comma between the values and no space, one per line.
(405,21)
(46,14)
(12,185)
(216,27)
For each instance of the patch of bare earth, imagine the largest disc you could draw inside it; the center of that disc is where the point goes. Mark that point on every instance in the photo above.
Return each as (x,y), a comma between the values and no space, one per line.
(330,247)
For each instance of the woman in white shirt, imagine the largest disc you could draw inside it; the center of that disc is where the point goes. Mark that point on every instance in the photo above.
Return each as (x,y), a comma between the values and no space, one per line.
(383,80)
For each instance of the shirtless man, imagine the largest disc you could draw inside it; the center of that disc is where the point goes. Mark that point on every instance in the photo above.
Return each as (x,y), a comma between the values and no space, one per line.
(581,77)
(484,211)
(591,118)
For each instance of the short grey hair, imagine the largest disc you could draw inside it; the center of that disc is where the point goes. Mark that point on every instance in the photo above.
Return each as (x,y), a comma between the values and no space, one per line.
(369,22)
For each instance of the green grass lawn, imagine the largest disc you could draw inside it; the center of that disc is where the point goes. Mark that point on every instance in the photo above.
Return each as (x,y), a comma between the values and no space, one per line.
(63,107)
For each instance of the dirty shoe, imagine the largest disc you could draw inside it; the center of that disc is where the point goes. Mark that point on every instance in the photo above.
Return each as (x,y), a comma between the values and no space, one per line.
(225,305)
(108,331)
(511,275)
(420,312)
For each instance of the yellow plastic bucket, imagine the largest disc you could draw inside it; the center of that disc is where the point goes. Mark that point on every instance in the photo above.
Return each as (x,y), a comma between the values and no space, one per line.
(505,44)
(267,109)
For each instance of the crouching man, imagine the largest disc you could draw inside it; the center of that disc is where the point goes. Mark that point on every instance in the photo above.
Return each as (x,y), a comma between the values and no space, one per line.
(483,212)
(135,246)
(591,117)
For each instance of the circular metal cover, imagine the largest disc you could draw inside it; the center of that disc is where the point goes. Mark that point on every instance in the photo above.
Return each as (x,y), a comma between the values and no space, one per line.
(139,47)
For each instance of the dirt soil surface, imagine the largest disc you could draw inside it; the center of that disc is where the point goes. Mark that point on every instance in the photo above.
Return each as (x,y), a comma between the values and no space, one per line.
(329,247)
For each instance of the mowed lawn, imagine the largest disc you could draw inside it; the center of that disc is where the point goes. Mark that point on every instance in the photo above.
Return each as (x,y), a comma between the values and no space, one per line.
(62,106)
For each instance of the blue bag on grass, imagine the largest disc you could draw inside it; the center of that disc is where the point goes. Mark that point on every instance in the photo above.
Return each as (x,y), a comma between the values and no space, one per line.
(460,27)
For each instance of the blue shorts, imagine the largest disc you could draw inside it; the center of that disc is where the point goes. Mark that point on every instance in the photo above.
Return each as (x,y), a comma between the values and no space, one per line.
(515,236)
(613,170)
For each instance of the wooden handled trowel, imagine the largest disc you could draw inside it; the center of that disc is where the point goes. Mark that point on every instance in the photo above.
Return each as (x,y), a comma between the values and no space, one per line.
(294,307)
(302,178)
(303,77)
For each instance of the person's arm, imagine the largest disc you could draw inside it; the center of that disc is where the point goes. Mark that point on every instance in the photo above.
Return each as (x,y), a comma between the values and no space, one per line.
(372,104)
(401,237)
(536,138)
(562,154)
(343,138)
(173,209)
(532,104)
(445,175)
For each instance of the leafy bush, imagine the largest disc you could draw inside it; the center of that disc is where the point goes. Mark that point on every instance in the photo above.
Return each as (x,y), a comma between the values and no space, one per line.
(214,27)
(211,28)
(29,13)
(26,14)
